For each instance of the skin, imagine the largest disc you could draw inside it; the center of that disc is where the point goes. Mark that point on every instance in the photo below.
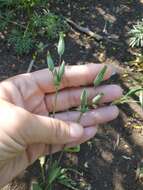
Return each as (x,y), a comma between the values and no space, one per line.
(26,130)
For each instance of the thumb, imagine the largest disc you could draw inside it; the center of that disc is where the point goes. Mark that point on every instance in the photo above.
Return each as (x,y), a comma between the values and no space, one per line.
(27,128)
(52,131)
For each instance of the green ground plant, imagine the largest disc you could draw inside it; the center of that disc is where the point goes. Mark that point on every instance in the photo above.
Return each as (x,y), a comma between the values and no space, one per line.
(26,21)
(136,35)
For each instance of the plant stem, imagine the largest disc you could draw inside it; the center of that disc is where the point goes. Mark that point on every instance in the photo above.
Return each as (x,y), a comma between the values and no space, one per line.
(54,111)
(60,60)
(79,118)
(55,102)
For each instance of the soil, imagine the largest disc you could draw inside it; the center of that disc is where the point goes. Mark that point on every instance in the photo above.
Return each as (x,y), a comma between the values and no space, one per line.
(113,158)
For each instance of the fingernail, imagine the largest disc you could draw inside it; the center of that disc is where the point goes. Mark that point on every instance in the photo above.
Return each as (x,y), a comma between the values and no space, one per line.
(76,131)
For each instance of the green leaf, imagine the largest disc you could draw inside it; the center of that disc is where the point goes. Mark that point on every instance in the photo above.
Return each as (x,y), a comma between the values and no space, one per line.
(73,149)
(50,62)
(61,45)
(65,180)
(84,101)
(54,172)
(61,70)
(97,99)
(56,78)
(99,78)
(133,91)
(83,97)
(36,186)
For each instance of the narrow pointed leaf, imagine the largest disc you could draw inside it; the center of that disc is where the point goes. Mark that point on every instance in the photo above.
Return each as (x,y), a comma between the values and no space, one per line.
(56,78)
(99,78)
(54,172)
(61,70)
(83,97)
(50,62)
(61,45)
(134,91)
(84,102)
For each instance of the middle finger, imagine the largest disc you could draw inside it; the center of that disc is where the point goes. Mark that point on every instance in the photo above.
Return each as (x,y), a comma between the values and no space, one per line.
(70,98)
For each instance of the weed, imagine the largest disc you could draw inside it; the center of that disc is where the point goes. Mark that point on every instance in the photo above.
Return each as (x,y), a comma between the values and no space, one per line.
(136,35)
(127,97)
(22,41)
(26,21)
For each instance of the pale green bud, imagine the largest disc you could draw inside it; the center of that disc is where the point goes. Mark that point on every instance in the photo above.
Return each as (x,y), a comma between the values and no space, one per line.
(61,45)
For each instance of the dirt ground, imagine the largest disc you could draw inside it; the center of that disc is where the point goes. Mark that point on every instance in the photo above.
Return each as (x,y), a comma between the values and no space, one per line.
(113,158)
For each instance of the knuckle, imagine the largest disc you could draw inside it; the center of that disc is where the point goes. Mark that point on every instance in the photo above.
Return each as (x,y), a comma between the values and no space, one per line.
(61,131)
(74,98)
(49,103)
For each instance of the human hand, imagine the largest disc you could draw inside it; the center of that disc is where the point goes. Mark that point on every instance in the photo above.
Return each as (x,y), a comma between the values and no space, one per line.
(26,100)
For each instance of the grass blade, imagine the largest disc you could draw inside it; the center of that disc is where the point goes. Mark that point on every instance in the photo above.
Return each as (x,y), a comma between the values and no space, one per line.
(99,78)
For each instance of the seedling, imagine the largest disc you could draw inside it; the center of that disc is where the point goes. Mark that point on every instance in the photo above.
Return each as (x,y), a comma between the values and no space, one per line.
(59,175)
(54,169)
(84,106)
(57,73)
(127,97)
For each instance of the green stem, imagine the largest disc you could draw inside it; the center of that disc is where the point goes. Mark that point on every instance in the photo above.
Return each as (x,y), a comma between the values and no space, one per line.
(55,102)
(79,118)
(54,112)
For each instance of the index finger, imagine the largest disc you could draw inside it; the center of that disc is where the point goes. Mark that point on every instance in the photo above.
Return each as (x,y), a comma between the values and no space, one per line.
(74,76)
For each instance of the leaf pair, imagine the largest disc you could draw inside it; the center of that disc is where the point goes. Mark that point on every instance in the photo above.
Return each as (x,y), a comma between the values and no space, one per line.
(84,96)
(58,74)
